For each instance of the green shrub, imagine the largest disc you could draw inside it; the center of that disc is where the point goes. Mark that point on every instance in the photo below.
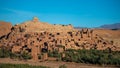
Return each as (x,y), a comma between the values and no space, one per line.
(92,56)
(4,53)
(62,66)
(14,56)
(26,55)
(54,54)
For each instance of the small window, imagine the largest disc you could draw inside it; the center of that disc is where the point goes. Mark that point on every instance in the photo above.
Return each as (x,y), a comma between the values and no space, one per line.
(37,38)
(58,33)
(72,39)
(29,50)
(49,37)
(25,46)
(53,35)
(50,34)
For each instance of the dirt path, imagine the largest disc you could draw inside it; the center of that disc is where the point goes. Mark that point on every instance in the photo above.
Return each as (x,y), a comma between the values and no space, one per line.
(53,64)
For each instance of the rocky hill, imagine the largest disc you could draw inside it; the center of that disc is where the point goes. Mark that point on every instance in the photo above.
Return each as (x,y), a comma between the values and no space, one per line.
(5,28)
(36,26)
(36,38)
(110,35)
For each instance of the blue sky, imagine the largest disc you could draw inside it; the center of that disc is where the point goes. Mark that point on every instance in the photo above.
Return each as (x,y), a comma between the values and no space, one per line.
(83,13)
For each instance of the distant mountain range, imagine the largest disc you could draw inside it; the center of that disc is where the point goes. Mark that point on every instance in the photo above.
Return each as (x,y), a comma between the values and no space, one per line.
(114,26)
(79,27)
(111,26)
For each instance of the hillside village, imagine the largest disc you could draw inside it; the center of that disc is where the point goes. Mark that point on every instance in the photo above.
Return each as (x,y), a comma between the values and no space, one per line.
(38,38)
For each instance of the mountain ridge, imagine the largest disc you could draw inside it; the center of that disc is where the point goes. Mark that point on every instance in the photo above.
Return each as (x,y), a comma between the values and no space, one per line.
(111,26)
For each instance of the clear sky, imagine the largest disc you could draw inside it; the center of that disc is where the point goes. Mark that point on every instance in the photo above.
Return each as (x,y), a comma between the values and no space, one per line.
(83,13)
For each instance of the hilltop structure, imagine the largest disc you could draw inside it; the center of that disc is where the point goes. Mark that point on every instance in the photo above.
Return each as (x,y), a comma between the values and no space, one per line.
(37,38)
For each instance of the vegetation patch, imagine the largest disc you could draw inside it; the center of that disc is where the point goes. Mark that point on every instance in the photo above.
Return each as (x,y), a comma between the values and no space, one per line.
(4,53)
(92,56)
(63,66)
(20,66)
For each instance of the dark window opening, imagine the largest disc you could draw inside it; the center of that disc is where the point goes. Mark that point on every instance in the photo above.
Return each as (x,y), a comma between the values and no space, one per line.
(41,34)
(53,36)
(85,32)
(76,44)
(69,32)
(58,33)
(71,35)
(45,44)
(27,35)
(22,29)
(37,38)
(44,50)
(50,34)
(45,32)
(25,46)
(49,38)
(60,41)
(104,43)
(29,50)
(72,39)
(40,40)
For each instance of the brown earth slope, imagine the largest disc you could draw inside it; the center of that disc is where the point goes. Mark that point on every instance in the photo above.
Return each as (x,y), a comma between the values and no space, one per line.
(5,28)
(110,35)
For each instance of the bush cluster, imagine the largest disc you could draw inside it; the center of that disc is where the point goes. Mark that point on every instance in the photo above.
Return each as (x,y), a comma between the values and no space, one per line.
(54,54)
(92,56)
(4,53)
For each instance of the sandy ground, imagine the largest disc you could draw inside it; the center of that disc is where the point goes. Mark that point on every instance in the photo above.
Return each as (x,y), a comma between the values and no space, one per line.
(53,64)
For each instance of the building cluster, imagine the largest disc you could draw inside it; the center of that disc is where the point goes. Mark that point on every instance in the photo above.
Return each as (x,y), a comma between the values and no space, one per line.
(42,42)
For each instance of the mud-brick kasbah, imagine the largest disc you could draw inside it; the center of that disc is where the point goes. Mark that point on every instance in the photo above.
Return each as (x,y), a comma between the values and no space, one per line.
(37,38)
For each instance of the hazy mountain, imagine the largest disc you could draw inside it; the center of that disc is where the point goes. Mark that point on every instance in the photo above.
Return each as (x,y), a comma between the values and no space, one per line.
(111,26)
(80,27)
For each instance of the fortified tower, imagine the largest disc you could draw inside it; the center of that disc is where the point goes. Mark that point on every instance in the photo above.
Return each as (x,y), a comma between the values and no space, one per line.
(35,19)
